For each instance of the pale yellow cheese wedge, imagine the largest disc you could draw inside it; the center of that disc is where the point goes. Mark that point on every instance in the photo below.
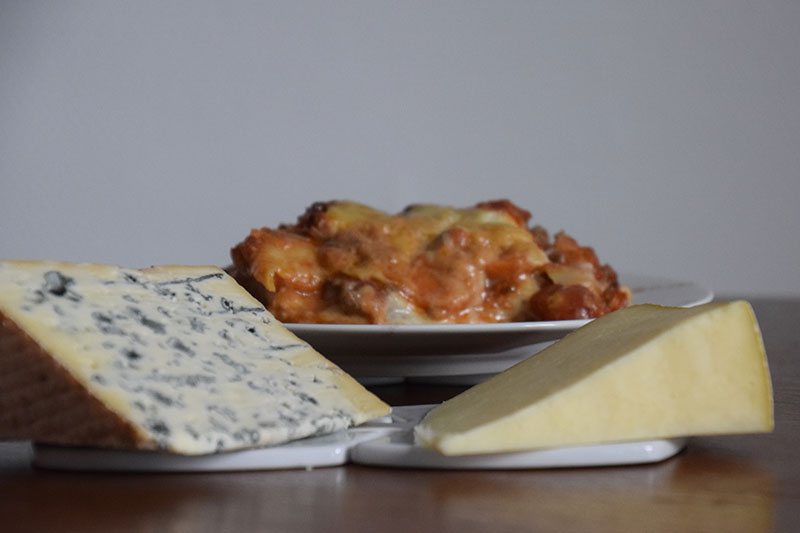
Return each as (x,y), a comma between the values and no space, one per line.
(642,373)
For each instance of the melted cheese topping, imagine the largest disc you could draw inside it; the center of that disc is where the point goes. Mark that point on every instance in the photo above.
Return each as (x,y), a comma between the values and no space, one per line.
(345,262)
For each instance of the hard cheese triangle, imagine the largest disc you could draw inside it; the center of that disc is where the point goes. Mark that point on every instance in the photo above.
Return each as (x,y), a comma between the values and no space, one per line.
(641,373)
(171,358)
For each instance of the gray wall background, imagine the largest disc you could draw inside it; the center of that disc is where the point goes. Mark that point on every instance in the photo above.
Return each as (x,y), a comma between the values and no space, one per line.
(665,134)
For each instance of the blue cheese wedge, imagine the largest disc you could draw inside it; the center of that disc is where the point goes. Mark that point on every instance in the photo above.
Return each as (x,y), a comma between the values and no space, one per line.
(645,372)
(179,359)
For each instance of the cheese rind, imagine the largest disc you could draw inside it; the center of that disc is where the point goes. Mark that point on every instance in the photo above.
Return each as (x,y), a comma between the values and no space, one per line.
(640,373)
(171,358)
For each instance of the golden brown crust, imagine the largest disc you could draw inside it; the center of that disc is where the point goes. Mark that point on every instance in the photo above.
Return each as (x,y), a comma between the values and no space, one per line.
(41,401)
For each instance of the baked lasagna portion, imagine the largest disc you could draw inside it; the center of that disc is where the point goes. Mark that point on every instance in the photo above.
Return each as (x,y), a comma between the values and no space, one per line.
(345,263)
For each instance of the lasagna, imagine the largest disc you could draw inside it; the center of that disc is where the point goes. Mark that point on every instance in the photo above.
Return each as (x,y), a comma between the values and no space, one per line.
(343,262)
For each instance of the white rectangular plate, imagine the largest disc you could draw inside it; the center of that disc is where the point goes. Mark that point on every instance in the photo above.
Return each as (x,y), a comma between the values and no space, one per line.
(398,449)
(387,442)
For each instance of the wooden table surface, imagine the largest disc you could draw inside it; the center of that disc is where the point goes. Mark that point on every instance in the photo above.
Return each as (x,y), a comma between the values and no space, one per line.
(721,484)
